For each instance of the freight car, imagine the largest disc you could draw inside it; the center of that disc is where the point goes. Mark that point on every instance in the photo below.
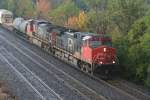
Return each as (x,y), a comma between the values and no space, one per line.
(6,17)
(91,52)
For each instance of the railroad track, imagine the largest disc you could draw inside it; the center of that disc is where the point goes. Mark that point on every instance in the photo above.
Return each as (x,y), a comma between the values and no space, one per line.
(26,71)
(98,86)
(39,87)
(130,89)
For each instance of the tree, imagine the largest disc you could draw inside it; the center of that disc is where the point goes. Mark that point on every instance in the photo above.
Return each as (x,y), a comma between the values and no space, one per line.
(147,81)
(137,31)
(3,4)
(43,7)
(12,5)
(72,22)
(137,56)
(96,5)
(97,16)
(82,21)
(62,13)
(125,12)
(78,22)
(21,7)
(98,22)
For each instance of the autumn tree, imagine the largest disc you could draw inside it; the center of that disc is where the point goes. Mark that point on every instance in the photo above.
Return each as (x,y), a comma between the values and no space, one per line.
(97,16)
(82,21)
(43,7)
(78,22)
(24,8)
(72,22)
(98,22)
(63,12)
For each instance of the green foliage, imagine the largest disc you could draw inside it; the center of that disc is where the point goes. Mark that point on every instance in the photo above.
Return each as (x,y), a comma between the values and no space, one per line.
(129,19)
(12,5)
(95,4)
(125,12)
(145,41)
(25,8)
(137,31)
(147,81)
(64,11)
(98,21)
(136,65)
(137,52)
(3,4)
(122,44)
(19,7)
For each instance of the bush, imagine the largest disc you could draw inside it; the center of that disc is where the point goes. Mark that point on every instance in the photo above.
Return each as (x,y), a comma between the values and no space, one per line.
(147,81)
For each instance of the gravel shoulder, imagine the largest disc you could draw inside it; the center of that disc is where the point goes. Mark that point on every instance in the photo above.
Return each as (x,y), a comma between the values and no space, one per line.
(5,92)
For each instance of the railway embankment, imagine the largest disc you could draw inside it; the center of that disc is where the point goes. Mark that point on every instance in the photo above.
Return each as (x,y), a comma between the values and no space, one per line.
(5,92)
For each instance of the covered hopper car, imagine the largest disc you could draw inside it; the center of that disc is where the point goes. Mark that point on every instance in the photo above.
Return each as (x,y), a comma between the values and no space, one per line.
(6,17)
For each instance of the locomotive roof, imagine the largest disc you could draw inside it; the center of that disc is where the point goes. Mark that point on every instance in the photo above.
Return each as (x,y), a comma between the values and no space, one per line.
(42,22)
(87,34)
(92,34)
(45,26)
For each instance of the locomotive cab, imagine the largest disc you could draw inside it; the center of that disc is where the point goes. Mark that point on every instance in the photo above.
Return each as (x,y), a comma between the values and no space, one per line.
(97,50)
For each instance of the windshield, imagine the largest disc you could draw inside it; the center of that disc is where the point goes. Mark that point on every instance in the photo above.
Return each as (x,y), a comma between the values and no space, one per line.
(95,44)
(99,41)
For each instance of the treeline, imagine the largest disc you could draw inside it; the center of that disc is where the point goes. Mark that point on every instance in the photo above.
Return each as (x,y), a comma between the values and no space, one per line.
(127,21)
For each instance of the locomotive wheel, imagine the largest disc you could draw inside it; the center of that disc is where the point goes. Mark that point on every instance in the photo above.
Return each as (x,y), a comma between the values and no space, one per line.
(62,56)
(44,46)
(79,64)
(30,40)
(86,68)
(83,67)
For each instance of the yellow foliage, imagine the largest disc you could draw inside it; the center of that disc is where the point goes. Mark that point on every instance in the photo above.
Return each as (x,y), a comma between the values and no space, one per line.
(72,22)
(82,20)
(77,22)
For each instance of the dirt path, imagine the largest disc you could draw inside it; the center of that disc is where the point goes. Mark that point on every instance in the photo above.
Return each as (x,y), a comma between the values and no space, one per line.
(5,94)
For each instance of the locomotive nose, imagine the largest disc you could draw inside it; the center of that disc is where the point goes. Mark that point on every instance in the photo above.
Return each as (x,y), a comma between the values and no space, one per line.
(104,55)
(105,61)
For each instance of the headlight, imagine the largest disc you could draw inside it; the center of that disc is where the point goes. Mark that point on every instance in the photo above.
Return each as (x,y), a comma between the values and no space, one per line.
(104,49)
(114,62)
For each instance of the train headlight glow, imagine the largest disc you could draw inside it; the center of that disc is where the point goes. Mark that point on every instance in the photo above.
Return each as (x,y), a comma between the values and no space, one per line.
(114,62)
(101,62)
(104,49)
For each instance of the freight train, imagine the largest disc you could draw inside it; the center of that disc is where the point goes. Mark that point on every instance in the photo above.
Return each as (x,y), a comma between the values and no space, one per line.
(90,52)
